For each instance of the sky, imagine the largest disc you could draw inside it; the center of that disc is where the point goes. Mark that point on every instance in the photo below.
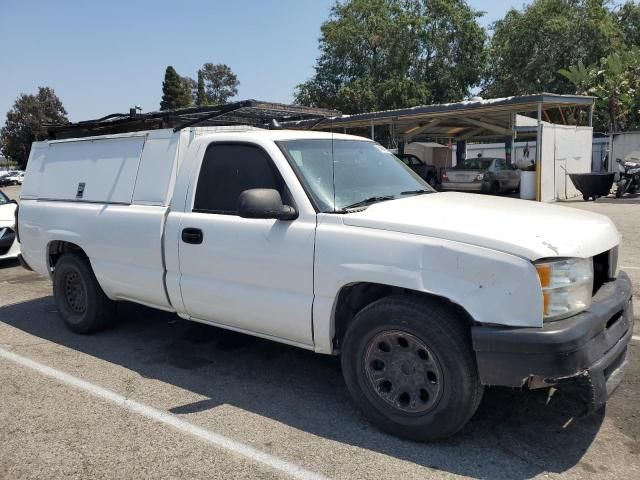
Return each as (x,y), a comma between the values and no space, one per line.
(104,57)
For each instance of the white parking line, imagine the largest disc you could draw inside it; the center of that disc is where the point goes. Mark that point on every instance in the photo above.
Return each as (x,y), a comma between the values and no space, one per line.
(635,337)
(626,267)
(216,439)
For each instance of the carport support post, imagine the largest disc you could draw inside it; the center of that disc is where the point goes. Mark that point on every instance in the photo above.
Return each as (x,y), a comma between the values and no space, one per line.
(539,154)
(591,115)
(372,131)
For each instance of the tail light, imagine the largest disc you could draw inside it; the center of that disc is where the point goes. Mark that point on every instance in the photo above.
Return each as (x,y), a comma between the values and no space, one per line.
(445,177)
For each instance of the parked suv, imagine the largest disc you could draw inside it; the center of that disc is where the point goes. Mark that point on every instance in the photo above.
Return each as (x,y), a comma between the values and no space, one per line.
(329,243)
(424,170)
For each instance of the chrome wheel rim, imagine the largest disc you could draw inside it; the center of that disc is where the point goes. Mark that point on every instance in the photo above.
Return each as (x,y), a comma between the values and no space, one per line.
(403,372)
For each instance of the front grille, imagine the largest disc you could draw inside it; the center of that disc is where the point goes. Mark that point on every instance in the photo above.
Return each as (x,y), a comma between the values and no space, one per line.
(601,270)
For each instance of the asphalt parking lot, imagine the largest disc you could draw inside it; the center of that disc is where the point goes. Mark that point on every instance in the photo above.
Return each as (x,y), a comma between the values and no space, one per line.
(159,397)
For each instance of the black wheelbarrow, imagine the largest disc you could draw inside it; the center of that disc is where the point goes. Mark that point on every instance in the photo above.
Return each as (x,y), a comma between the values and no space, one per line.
(593,185)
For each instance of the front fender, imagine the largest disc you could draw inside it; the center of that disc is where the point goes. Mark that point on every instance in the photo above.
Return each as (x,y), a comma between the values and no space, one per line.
(493,287)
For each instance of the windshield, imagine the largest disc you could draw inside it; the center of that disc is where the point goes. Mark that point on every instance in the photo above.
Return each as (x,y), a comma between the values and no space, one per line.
(3,199)
(341,173)
(474,164)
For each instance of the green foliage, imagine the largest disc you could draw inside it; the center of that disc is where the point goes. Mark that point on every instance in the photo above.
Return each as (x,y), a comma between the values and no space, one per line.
(220,83)
(382,54)
(176,90)
(579,76)
(530,46)
(201,96)
(215,85)
(615,81)
(26,123)
(628,17)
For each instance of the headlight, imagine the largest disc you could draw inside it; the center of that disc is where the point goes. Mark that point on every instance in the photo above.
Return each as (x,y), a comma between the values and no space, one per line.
(479,177)
(567,286)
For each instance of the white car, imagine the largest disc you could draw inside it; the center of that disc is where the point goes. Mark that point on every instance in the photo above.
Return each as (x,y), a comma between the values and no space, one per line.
(17,178)
(9,247)
(329,243)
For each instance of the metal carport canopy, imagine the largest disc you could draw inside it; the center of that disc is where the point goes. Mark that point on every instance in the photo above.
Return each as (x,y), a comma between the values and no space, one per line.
(462,120)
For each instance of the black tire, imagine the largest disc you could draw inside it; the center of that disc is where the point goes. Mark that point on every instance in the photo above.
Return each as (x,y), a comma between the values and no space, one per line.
(431,180)
(495,188)
(81,302)
(585,198)
(622,188)
(455,393)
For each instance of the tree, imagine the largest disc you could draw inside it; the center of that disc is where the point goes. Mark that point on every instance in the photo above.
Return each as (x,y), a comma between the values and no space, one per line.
(176,90)
(615,82)
(220,83)
(26,123)
(628,17)
(381,54)
(201,94)
(529,46)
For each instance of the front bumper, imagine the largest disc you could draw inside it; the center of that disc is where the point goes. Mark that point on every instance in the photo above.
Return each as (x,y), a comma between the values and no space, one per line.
(465,186)
(588,349)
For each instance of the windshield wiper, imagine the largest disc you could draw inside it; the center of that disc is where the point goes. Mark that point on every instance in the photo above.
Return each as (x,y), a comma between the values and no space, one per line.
(415,192)
(370,200)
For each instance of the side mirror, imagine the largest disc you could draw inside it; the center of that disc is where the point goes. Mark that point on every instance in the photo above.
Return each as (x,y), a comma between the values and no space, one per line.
(264,203)
(13,200)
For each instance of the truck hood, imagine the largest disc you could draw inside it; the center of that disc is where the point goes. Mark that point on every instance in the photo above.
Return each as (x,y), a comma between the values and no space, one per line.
(6,214)
(524,228)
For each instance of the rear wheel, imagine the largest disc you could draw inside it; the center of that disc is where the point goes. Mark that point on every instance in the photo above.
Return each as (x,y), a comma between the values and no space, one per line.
(622,188)
(431,180)
(81,302)
(495,188)
(409,366)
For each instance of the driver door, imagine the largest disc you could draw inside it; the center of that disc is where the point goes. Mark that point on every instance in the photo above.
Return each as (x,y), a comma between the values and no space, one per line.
(253,275)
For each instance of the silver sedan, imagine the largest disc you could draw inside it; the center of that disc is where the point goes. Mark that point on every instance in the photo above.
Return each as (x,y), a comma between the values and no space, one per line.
(488,175)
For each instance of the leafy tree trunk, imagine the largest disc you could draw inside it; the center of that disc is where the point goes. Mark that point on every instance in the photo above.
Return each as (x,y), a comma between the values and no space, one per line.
(201,95)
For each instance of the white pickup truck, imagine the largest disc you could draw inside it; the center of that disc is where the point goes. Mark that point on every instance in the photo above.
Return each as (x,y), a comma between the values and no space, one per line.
(329,243)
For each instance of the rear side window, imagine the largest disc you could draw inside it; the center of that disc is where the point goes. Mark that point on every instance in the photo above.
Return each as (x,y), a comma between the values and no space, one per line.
(228,170)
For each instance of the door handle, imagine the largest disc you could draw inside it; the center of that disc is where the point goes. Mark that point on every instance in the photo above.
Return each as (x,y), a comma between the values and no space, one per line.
(192,235)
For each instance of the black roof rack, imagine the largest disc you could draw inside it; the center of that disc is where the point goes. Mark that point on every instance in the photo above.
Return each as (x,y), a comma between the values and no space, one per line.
(247,112)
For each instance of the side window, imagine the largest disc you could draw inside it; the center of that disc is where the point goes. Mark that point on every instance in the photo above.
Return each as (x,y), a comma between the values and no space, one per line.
(501,164)
(229,169)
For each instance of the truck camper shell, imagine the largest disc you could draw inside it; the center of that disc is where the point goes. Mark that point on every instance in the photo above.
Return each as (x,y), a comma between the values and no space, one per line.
(134,158)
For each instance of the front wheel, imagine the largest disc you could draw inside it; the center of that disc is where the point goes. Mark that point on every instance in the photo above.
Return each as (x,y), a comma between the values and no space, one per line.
(622,188)
(409,366)
(81,302)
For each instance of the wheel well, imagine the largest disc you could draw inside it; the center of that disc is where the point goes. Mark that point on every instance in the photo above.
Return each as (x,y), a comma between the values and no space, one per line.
(57,248)
(353,298)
